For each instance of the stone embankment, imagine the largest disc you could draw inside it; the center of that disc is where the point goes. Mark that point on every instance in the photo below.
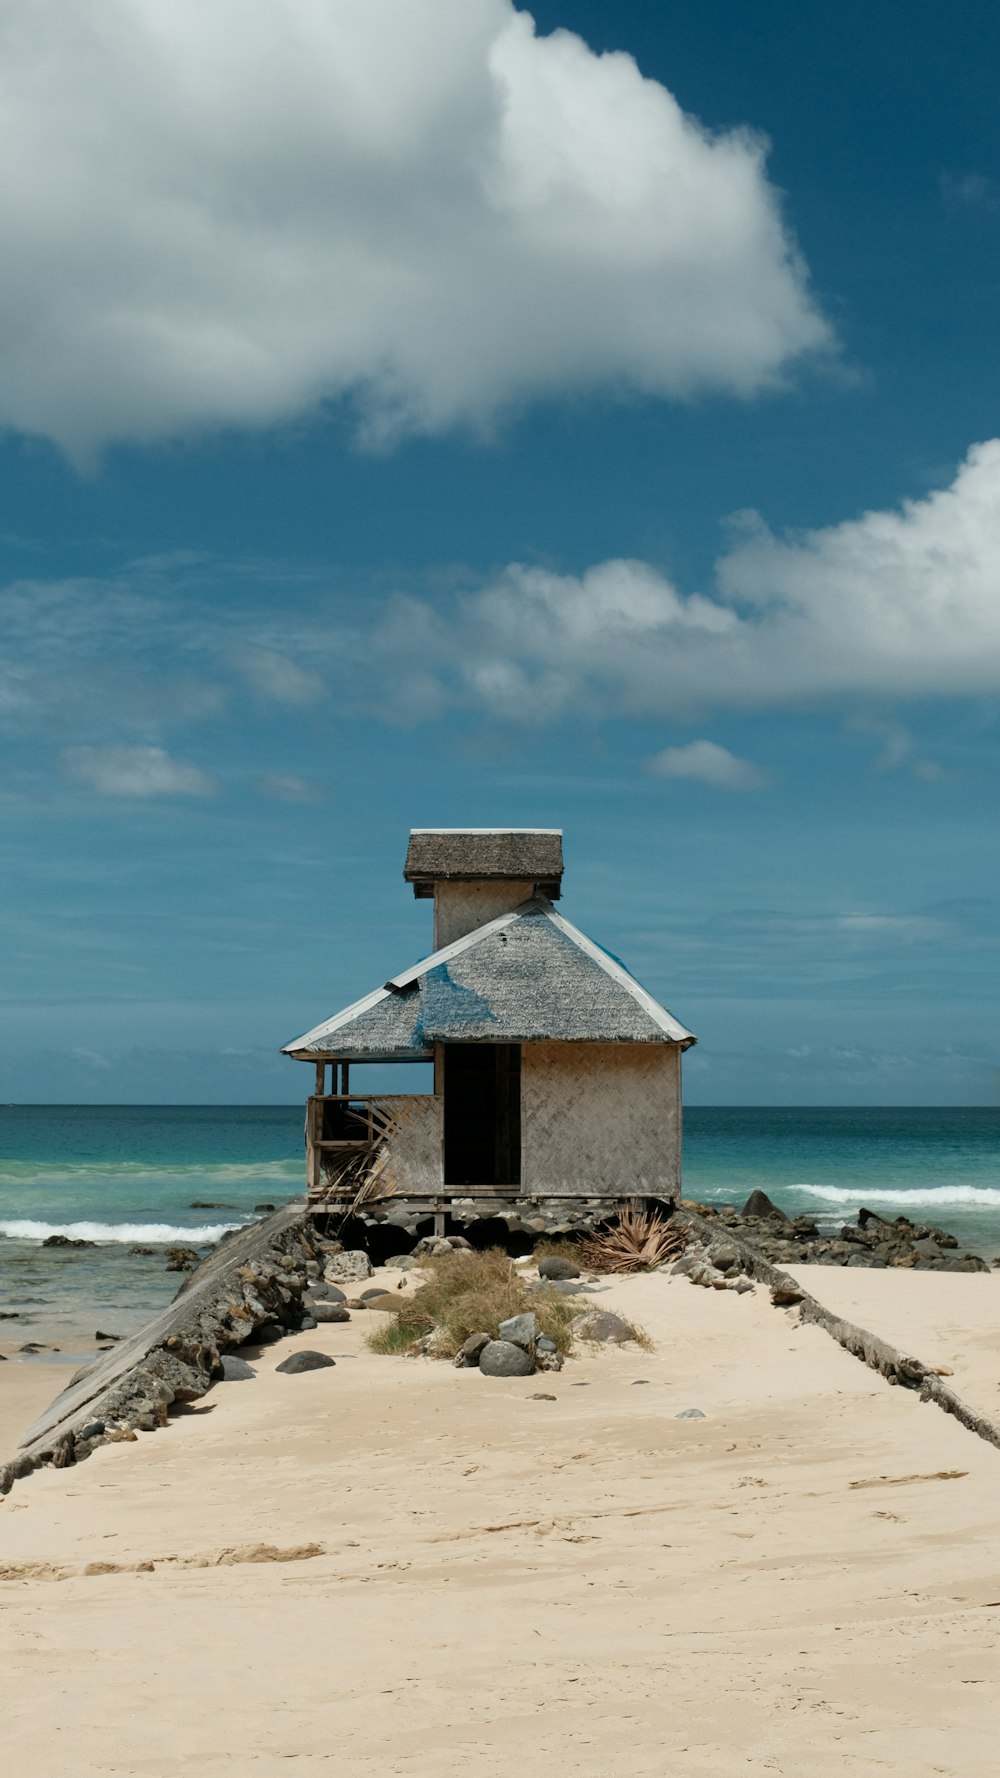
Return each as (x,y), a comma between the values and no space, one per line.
(252,1287)
(871,1240)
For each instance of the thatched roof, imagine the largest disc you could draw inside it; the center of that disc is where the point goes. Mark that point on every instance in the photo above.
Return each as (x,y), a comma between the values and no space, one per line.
(526,976)
(456,855)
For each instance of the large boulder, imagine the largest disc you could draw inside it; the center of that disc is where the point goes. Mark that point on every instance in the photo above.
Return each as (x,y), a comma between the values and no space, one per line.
(501,1358)
(347,1268)
(555,1266)
(329,1312)
(520,1330)
(304,1361)
(759,1204)
(601,1325)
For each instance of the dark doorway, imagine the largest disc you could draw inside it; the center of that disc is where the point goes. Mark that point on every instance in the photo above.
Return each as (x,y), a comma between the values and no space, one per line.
(482,1114)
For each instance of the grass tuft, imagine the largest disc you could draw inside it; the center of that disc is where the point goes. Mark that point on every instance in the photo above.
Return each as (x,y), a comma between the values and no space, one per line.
(469,1293)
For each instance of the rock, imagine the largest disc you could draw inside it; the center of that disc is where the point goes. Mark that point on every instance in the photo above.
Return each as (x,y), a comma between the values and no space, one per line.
(401,1262)
(268,1333)
(565,1286)
(544,1344)
(347,1267)
(690,1414)
(94,1429)
(307,1323)
(304,1361)
(554,1266)
(783,1296)
(384,1302)
(549,1361)
(313,1268)
(236,1370)
(433,1247)
(368,1296)
(501,1358)
(742,1285)
(330,1312)
(540,1396)
(520,1330)
(326,1293)
(460,1244)
(65,1241)
(205,1204)
(114,1338)
(601,1325)
(138,1252)
(470,1353)
(262,1209)
(759,1204)
(181,1259)
(722,1255)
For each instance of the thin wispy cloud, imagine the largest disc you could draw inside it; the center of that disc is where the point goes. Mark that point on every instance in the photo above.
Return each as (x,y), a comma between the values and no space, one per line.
(135,772)
(705,762)
(275,676)
(285,787)
(419,204)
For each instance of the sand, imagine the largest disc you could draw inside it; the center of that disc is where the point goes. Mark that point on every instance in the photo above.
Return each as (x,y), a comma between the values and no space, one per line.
(393,1568)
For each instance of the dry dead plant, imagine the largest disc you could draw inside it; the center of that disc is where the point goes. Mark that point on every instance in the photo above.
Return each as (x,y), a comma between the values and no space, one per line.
(638,1239)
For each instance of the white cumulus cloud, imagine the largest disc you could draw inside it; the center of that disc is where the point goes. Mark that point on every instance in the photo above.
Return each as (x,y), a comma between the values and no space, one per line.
(135,771)
(218,214)
(899,604)
(705,762)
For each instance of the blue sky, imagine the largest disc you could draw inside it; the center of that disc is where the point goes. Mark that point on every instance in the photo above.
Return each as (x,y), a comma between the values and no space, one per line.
(412,416)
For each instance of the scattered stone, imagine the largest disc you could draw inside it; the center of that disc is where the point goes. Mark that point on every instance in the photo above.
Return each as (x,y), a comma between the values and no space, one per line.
(784,1296)
(460,1244)
(690,1414)
(329,1312)
(640,1383)
(262,1209)
(307,1323)
(539,1395)
(723,1256)
(520,1330)
(470,1353)
(181,1259)
(347,1268)
(205,1204)
(433,1247)
(401,1262)
(65,1241)
(268,1333)
(601,1325)
(321,1292)
(93,1429)
(114,1338)
(384,1302)
(10,1314)
(138,1252)
(545,1344)
(236,1370)
(304,1361)
(501,1358)
(555,1266)
(564,1286)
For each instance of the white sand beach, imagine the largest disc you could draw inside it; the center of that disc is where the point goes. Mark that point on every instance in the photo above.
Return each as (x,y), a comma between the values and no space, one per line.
(394,1568)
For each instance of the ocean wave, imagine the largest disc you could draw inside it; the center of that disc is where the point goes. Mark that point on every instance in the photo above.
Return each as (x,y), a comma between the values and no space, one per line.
(148,1234)
(205,1173)
(926,1197)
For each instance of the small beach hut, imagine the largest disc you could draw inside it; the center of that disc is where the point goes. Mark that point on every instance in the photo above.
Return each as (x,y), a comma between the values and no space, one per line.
(555,1073)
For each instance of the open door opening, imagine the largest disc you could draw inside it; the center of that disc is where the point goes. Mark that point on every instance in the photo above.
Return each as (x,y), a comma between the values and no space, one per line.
(482,1114)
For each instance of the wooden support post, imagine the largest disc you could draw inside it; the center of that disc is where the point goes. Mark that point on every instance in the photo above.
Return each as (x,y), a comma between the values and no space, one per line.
(321,1078)
(314,1129)
(345,1074)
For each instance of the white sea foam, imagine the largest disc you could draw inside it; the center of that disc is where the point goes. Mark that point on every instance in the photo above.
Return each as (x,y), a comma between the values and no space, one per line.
(917,1197)
(148,1234)
(141,1172)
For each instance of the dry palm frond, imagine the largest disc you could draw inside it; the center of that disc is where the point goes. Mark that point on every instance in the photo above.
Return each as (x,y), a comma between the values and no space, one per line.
(636,1241)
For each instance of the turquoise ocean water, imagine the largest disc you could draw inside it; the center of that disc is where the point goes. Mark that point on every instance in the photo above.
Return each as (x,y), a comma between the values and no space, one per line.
(127,1176)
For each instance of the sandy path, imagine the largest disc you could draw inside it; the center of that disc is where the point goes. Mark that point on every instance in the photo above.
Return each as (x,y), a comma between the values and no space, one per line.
(587,1584)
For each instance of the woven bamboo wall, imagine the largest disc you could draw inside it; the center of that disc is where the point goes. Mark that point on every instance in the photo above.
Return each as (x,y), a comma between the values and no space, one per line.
(600,1118)
(464,907)
(411,1154)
